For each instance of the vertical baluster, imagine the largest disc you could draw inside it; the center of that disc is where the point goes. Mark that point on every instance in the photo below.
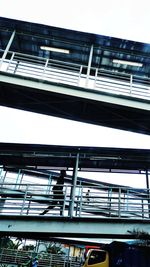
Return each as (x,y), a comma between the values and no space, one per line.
(96,73)
(131,82)
(10,61)
(17,179)
(81,201)
(119,203)
(79,78)
(109,200)
(49,184)
(24,200)
(64,202)
(45,67)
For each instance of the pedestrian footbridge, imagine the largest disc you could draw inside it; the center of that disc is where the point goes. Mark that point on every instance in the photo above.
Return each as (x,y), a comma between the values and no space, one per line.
(84,77)
(78,76)
(108,210)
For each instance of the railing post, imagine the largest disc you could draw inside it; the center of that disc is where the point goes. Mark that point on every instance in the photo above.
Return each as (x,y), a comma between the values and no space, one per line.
(7,48)
(81,201)
(24,201)
(96,73)
(142,203)
(80,72)
(45,67)
(131,81)
(64,202)
(119,203)
(89,66)
(73,188)
(10,61)
(109,200)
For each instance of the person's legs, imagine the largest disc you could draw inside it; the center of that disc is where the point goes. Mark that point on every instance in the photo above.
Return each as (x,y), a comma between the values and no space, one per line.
(52,206)
(61,203)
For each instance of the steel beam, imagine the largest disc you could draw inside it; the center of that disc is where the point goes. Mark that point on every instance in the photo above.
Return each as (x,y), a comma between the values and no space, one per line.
(70,90)
(75,227)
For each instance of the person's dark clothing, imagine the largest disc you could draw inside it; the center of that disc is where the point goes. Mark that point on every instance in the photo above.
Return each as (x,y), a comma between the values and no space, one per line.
(58,195)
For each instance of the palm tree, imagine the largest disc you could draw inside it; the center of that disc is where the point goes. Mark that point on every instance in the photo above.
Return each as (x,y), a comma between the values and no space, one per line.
(143,238)
(7,242)
(55,248)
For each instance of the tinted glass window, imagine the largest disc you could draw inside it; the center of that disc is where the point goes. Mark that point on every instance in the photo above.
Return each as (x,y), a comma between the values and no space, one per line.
(96,257)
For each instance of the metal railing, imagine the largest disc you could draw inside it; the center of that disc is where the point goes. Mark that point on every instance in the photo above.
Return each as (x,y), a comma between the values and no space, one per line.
(102,201)
(72,74)
(23,258)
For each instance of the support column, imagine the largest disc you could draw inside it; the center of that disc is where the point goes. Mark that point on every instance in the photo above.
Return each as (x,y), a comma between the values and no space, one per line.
(7,48)
(73,188)
(89,66)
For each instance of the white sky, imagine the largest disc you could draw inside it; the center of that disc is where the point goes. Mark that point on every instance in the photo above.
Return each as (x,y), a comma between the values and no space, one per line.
(127,19)
(124,19)
(20,126)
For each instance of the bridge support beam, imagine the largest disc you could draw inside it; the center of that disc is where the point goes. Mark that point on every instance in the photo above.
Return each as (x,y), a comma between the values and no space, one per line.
(35,227)
(77,103)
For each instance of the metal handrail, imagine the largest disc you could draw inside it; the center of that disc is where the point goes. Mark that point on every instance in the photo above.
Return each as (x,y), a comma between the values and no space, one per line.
(33,199)
(72,74)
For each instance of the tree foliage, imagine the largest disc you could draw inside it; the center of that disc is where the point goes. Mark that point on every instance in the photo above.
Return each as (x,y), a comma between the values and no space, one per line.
(143,238)
(7,242)
(55,248)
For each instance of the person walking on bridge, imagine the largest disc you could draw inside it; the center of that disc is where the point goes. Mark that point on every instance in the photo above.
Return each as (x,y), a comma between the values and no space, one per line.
(58,195)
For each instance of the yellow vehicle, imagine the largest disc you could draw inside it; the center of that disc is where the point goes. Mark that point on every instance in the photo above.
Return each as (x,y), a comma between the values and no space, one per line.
(96,258)
(118,254)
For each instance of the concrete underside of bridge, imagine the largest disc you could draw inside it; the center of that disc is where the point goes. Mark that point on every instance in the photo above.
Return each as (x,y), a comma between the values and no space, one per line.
(37,227)
(75,103)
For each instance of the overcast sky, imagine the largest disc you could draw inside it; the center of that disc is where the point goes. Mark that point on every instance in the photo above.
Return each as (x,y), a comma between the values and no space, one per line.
(127,19)
(124,19)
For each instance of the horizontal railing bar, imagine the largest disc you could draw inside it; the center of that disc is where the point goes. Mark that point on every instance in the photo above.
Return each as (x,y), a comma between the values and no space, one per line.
(103,201)
(42,58)
(100,71)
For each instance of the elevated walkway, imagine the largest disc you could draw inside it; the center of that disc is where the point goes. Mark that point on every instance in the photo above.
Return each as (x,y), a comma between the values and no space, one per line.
(78,81)
(109,210)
